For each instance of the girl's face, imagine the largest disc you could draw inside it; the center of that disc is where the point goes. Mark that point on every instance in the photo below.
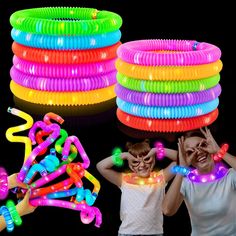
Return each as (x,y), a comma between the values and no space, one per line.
(201,160)
(142,165)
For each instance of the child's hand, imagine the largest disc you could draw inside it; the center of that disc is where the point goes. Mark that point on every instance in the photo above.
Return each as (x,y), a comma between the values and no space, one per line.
(24,207)
(13,182)
(152,152)
(127,156)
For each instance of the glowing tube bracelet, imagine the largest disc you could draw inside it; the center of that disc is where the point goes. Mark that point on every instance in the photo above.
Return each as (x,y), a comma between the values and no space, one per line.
(83,154)
(169,72)
(167,125)
(63,98)
(168,86)
(22,139)
(54,128)
(65,71)
(62,84)
(8,219)
(155,178)
(160,153)
(220,154)
(64,57)
(14,214)
(167,112)
(185,52)
(116,157)
(166,100)
(64,42)
(83,21)
(180,170)
(88,212)
(3,183)
(219,172)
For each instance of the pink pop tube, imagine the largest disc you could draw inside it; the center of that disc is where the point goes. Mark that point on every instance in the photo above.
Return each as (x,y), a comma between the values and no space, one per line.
(185,52)
(163,99)
(89,213)
(54,128)
(61,84)
(66,149)
(64,71)
(3,183)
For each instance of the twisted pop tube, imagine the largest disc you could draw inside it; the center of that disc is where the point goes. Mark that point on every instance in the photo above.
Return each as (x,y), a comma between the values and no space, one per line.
(62,98)
(64,57)
(23,139)
(88,212)
(49,20)
(167,112)
(65,71)
(167,100)
(169,72)
(64,42)
(168,86)
(62,84)
(167,125)
(3,183)
(184,52)
(54,128)
(83,154)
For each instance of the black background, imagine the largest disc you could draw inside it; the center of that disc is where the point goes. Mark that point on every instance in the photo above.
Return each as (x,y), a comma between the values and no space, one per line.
(100,131)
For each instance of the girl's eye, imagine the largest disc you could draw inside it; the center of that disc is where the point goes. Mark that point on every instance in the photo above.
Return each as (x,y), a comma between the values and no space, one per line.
(135,163)
(147,159)
(204,144)
(189,153)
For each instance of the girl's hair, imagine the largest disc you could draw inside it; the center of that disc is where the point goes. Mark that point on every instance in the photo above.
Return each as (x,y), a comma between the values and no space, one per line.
(139,149)
(194,133)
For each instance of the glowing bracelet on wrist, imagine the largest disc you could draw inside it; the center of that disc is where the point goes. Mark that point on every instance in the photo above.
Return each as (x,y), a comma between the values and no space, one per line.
(168,86)
(167,112)
(22,139)
(8,219)
(160,153)
(167,125)
(49,20)
(63,98)
(14,214)
(62,84)
(220,154)
(64,71)
(64,42)
(167,100)
(64,57)
(169,72)
(180,170)
(178,52)
(3,183)
(116,157)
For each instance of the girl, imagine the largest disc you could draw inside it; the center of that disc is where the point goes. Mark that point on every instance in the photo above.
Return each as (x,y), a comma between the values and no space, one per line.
(142,190)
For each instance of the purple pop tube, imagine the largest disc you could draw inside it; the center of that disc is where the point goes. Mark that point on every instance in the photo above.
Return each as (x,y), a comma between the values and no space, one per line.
(66,149)
(3,183)
(185,52)
(54,128)
(65,71)
(163,99)
(62,84)
(89,213)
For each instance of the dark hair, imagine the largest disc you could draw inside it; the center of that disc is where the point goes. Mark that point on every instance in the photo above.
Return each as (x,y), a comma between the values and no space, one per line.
(139,149)
(194,133)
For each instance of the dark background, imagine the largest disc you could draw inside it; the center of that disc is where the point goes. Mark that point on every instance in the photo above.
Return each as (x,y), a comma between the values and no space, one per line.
(97,126)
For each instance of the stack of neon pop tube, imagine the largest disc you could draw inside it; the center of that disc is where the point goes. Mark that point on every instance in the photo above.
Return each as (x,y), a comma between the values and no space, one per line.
(53,156)
(168,85)
(64,55)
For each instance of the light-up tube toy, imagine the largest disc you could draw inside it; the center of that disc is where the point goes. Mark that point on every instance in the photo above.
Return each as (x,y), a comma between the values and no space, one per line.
(3,183)
(26,140)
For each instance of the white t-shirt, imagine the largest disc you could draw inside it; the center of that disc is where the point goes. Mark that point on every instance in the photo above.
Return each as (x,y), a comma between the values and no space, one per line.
(141,208)
(212,206)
